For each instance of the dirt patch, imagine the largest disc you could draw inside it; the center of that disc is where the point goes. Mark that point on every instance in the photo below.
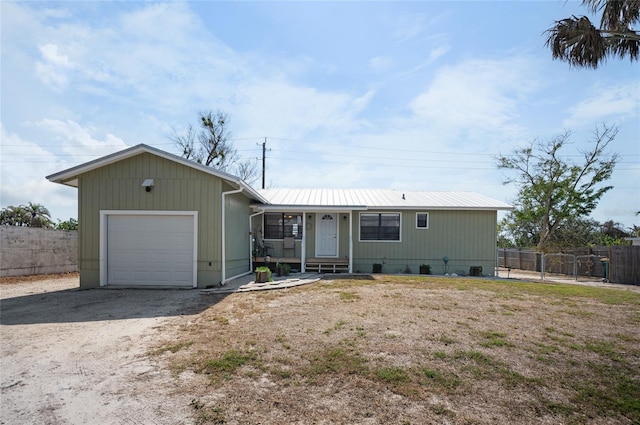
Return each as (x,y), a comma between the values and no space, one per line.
(74,356)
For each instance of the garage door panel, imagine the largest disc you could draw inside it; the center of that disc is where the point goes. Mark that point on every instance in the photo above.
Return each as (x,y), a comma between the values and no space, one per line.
(150,250)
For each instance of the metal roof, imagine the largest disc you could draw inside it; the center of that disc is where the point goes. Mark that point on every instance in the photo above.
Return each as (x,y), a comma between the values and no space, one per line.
(378,199)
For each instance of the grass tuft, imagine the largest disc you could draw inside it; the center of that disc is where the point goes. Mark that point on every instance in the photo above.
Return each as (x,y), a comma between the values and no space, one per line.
(349,296)
(339,361)
(393,374)
(228,363)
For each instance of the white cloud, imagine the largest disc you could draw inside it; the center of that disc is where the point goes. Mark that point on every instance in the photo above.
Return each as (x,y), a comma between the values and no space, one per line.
(54,67)
(475,96)
(79,142)
(51,54)
(279,108)
(437,52)
(381,63)
(408,27)
(24,167)
(620,101)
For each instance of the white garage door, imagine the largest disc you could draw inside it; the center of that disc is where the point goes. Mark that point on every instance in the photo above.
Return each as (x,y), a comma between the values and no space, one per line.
(150,250)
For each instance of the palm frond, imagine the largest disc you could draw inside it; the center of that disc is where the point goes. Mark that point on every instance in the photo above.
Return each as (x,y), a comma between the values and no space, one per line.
(577,41)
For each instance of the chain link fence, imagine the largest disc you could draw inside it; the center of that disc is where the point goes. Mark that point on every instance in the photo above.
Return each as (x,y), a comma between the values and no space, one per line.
(619,264)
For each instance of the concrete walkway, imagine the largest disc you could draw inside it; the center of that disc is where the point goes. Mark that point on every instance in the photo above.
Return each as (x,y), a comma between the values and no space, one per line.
(247,283)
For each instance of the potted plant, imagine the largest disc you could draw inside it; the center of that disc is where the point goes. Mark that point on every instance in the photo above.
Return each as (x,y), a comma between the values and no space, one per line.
(425,269)
(287,269)
(475,271)
(263,274)
(377,268)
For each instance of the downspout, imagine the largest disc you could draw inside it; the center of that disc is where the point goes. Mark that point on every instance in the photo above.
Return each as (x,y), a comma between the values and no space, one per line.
(224,231)
(350,241)
(303,243)
(252,239)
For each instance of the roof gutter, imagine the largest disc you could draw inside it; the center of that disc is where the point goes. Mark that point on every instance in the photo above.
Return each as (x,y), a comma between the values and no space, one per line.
(223,279)
(310,208)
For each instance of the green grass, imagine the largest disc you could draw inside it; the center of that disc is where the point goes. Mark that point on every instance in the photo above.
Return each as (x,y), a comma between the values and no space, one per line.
(349,296)
(337,361)
(393,374)
(516,289)
(432,377)
(227,364)
(494,339)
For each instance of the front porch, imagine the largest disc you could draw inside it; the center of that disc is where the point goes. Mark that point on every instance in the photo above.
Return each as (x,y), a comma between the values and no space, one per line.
(320,265)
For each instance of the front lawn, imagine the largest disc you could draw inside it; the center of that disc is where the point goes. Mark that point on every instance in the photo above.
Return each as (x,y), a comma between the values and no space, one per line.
(412,350)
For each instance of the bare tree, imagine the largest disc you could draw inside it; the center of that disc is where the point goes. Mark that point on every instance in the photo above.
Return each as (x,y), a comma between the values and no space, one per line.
(210,145)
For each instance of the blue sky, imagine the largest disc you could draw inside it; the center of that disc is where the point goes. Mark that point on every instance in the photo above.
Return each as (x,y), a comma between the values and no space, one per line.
(395,95)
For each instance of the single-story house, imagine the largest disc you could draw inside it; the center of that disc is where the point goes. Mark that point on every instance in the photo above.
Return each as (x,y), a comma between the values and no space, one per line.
(151,218)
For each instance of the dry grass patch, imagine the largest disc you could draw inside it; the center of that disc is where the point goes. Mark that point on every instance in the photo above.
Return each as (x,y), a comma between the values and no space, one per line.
(414,350)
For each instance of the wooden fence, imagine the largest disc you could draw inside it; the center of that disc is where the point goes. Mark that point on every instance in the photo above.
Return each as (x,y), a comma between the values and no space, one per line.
(622,262)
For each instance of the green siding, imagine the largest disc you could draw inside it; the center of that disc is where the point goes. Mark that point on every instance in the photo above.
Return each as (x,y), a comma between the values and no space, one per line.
(468,238)
(176,187)
(237,234)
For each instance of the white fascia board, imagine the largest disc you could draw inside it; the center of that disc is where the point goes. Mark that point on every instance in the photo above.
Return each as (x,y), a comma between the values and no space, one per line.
(428,208)
(310,208)
(68,177)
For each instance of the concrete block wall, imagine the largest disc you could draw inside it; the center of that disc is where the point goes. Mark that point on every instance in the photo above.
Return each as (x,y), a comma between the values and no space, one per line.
(31,250)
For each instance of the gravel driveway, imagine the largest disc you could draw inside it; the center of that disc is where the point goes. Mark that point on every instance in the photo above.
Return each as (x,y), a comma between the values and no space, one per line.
(74,356)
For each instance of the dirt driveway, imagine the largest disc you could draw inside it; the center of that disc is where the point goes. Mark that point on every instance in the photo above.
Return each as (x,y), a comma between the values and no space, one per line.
(79,357)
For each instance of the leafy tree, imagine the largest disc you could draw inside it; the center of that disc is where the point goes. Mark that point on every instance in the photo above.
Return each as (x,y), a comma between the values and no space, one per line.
(71,224)
(36,215)
(31,215)
(552,190)
(577,41)
(572,233)
(210,145)
(12,216)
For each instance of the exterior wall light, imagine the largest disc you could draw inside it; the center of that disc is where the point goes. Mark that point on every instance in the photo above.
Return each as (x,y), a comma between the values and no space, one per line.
(147,184)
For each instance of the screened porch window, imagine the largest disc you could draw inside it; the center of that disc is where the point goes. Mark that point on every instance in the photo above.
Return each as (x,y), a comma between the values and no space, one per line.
(281,225)
(380,227)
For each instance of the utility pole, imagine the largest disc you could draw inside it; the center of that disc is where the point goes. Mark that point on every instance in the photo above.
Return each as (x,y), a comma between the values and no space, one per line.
(264,155)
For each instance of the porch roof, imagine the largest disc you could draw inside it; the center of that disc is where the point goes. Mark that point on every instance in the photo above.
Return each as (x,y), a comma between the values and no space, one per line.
(362,199)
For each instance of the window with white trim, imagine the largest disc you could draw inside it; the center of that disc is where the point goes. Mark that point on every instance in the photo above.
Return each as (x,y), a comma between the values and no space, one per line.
(379,226)
(281,225)
(422,220)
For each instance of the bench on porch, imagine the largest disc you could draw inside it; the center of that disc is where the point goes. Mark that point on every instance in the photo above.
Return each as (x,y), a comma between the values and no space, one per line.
(320,265)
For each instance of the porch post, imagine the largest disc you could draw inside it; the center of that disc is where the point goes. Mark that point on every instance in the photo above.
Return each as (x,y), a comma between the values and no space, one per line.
(350,241)
(303,242)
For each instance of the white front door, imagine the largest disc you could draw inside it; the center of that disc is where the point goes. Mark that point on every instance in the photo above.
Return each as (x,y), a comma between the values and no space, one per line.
(326,235)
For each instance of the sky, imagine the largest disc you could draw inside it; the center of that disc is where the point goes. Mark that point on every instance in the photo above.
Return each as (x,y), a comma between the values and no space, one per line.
(419,95)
